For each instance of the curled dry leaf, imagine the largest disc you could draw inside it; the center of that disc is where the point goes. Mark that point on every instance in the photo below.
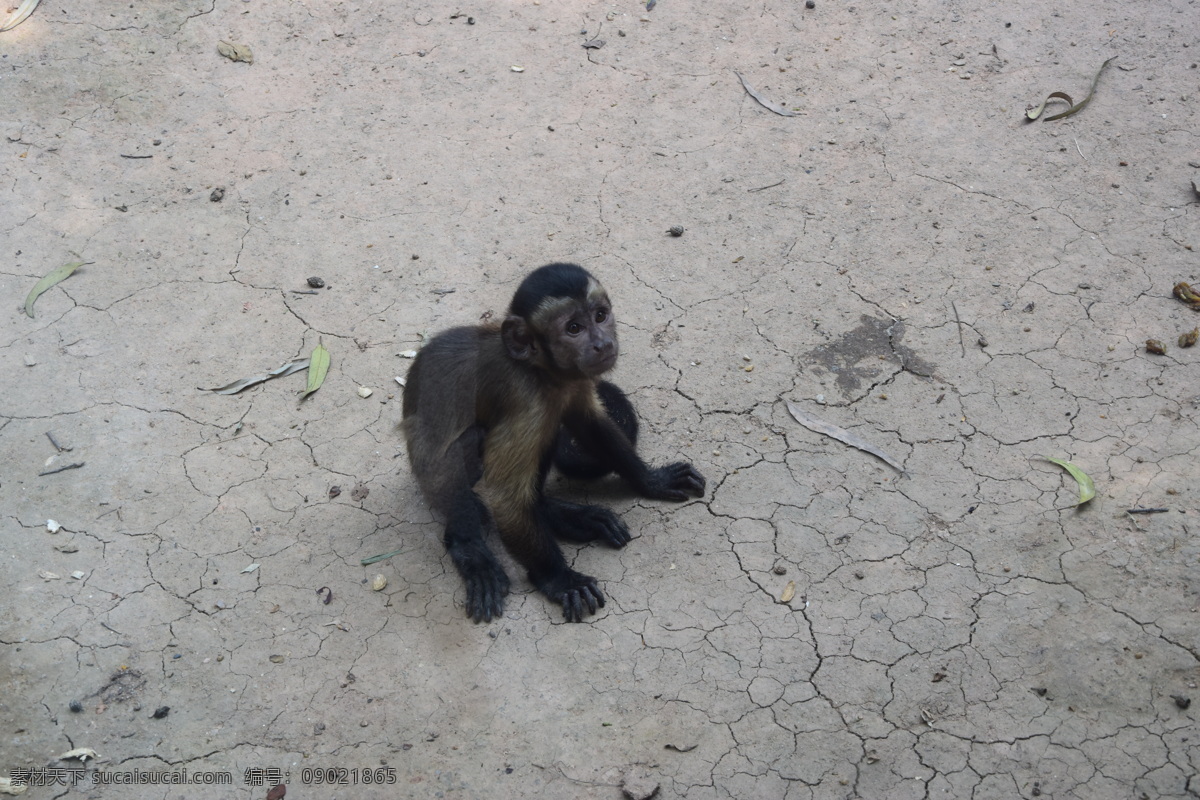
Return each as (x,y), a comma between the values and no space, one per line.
(1188,339)
(236,52)
(1156,347)
(1187,294)
(1035,112)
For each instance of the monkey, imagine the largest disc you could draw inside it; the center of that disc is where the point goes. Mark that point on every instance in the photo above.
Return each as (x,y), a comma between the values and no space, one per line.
(489,409)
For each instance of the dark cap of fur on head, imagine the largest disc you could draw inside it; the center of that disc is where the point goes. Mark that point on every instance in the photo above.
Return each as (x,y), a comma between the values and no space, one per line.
(552,280)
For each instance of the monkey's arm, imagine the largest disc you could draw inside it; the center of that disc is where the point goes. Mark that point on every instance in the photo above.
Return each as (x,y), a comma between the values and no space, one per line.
(600,436)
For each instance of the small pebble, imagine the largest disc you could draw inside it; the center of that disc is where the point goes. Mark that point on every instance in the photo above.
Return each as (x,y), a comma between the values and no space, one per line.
(75,706)
(161,712)
(810,4)
(676,230)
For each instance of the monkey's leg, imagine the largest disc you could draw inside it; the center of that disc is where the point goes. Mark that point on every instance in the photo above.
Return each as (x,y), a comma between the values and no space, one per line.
(574,461)
(486,581)
(527,537)
(582,523)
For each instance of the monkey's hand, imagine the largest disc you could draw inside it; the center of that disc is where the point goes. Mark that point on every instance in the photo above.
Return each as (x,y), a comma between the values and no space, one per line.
(675,482)
(578,523)
(486,588)
(574,590)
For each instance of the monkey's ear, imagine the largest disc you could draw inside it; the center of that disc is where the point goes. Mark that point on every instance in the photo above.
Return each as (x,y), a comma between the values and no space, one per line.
(518,338)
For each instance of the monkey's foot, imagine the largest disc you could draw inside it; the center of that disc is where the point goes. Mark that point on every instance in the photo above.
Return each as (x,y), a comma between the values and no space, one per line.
(577,523)
(575,592)
(675,482)
(486,588)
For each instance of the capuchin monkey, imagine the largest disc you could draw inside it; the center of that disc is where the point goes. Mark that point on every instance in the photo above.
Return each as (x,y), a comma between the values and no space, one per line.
(488,409)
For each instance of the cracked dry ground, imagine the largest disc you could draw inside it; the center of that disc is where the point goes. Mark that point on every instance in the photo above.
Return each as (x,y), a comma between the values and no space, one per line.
(958,631)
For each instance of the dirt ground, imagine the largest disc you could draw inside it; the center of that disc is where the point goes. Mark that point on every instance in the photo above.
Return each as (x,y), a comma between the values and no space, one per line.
(906,257)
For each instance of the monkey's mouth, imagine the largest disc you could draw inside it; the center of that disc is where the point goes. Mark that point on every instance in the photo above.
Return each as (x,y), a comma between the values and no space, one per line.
(602,364)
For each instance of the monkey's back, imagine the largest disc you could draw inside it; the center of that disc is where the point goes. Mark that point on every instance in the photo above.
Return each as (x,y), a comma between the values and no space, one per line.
(439,408)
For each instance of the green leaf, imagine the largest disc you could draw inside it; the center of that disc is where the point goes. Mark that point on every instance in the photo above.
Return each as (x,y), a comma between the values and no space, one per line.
(318,366)
(56,276)
(1087,488)
(368,561)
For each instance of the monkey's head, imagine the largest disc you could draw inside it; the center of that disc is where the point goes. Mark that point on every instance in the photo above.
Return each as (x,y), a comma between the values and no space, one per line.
(561,321)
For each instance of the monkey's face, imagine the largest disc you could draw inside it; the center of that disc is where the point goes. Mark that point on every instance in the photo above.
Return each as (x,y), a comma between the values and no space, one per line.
(582,338)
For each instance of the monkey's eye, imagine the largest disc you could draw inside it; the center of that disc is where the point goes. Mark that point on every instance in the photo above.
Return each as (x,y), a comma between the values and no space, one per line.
(601,314)
(574,328)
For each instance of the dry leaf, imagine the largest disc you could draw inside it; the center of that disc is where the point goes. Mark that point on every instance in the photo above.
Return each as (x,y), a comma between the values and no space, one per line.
(278,372)
(6,787)
(20,15)
(82,753)
(841,434)
(236,52)
(764,102)
(789,592)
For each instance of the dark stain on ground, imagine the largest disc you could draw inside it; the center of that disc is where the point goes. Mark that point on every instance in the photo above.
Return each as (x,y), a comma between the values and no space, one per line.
(861,355)
(123,685)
